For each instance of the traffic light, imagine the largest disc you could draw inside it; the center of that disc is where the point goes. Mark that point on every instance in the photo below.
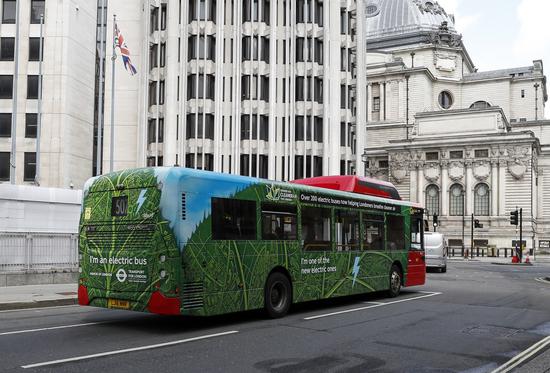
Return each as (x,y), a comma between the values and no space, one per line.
(477,224)
(514,217)
(435,220)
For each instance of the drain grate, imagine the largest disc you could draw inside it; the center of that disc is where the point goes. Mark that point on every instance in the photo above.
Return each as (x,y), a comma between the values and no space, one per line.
(492,331)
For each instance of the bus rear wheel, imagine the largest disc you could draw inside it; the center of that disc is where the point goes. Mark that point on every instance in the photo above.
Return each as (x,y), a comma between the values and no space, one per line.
(278,295)
(395,281)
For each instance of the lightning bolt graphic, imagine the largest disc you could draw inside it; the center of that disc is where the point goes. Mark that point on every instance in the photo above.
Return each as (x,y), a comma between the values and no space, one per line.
(355,271)
(141,199)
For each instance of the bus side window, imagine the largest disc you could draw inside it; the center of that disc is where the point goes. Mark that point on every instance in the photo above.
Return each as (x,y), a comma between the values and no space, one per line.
(395,227)
(278,222)
(316,229)
(233,219)
(373,236)
(347,230)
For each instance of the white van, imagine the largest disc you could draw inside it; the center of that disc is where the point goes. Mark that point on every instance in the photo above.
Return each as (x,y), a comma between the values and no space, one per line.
(436,251)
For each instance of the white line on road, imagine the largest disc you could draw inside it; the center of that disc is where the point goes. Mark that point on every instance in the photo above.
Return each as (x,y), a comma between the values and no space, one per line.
(523,357)
(373,306)
(54,328)
(118,352)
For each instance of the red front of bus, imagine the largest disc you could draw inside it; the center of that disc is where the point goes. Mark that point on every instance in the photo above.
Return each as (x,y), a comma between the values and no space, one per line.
(416,262)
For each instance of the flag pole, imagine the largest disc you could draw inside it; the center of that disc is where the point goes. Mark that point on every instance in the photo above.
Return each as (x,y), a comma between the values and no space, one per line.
(14,98)
(113,96)
(100,108)
(39,115)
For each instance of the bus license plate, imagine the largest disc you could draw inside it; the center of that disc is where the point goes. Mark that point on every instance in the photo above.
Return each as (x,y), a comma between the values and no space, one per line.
(120,304)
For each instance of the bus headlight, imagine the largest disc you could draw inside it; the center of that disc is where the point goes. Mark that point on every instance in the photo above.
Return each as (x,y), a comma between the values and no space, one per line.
(162,258)
(162,274)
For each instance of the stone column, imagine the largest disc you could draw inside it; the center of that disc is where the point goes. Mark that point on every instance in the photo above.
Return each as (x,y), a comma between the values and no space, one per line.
(444,189)
(413,184)
(502,187)
(420,183)
(468,185)
(494,187)
(382,101)
(369,103)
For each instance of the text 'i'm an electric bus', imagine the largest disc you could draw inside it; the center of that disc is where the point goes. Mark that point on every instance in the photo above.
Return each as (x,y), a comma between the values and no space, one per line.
(181,241)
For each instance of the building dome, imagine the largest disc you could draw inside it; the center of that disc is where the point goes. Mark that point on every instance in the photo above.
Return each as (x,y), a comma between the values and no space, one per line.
(390,19)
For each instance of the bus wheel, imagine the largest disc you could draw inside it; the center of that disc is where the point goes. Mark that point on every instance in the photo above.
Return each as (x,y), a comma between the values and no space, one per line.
(278,295)
(395,281)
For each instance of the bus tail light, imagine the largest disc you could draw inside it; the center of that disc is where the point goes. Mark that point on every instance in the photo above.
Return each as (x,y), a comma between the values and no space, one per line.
(161,305)
(83,299)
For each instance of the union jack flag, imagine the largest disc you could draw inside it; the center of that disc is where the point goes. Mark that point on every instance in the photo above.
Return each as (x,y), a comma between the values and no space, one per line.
(121,44)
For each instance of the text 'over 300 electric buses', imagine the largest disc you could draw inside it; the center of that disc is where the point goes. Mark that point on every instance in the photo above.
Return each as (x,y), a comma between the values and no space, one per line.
(182,241)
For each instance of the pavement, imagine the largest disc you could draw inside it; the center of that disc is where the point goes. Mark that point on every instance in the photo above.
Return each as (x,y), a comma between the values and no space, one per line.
(36,296)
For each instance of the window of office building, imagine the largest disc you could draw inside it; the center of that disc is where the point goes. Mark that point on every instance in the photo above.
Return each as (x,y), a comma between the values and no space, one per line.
(34,49)
(200,87)
(4,166)
(199,125)
(6,86)
(7,46)
(32,87)
(8,11)
(30,167)
(152,130)
(5,125)
(37,9)
(201,47)
(202,10)
(31,124)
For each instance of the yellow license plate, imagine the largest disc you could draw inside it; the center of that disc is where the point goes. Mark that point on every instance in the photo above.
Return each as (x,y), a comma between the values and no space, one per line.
(117,303)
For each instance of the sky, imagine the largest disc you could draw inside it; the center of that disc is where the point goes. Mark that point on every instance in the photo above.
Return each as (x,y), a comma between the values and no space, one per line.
(501,34)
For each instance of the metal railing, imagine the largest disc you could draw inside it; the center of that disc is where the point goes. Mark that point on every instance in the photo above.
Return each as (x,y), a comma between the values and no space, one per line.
(22,252)
(481,251)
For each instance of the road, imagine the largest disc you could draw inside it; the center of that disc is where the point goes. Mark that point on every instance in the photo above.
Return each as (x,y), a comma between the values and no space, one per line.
(472,319)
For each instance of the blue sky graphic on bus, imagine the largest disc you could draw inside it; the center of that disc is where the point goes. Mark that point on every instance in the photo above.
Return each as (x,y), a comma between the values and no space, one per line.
(196,185)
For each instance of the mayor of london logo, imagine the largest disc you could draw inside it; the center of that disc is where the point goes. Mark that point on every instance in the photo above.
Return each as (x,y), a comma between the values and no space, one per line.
(121,275)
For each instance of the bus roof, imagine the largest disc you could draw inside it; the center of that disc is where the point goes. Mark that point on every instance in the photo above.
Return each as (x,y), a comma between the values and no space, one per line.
(354,184)
(303,186)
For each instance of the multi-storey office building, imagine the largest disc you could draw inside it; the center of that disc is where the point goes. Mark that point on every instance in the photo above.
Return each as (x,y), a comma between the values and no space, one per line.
(67,90)
(264,88)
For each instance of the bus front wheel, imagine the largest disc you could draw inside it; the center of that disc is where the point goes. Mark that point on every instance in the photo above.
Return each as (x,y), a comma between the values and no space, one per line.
(395,281)
(278,295)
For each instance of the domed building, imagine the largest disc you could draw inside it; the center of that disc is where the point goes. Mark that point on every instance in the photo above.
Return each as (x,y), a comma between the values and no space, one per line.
(468,145)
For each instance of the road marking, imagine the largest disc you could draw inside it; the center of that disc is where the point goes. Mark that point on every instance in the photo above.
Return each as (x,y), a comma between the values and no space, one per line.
(54,328)
(543,280)
(373,306)
(39,308)
(523,357)
(125,351)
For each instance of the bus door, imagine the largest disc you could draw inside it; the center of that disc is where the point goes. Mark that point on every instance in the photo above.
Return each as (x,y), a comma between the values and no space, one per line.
(416,274)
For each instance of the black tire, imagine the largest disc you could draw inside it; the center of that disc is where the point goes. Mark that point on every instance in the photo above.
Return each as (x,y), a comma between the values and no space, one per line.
(396,278)
(444,269)
(277,295)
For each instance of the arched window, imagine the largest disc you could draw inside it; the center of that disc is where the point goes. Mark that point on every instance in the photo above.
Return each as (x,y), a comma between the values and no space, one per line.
(480,105)
(481,200)
(456,200)
(432,199)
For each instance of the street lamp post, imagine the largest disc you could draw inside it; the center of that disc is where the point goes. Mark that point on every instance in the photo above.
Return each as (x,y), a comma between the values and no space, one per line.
(537,85)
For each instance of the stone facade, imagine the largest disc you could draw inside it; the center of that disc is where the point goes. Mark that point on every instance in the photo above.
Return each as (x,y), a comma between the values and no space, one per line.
(458,141)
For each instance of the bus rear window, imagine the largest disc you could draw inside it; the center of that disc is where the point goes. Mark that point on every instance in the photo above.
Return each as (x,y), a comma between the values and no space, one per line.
(278,222)
(233,219)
